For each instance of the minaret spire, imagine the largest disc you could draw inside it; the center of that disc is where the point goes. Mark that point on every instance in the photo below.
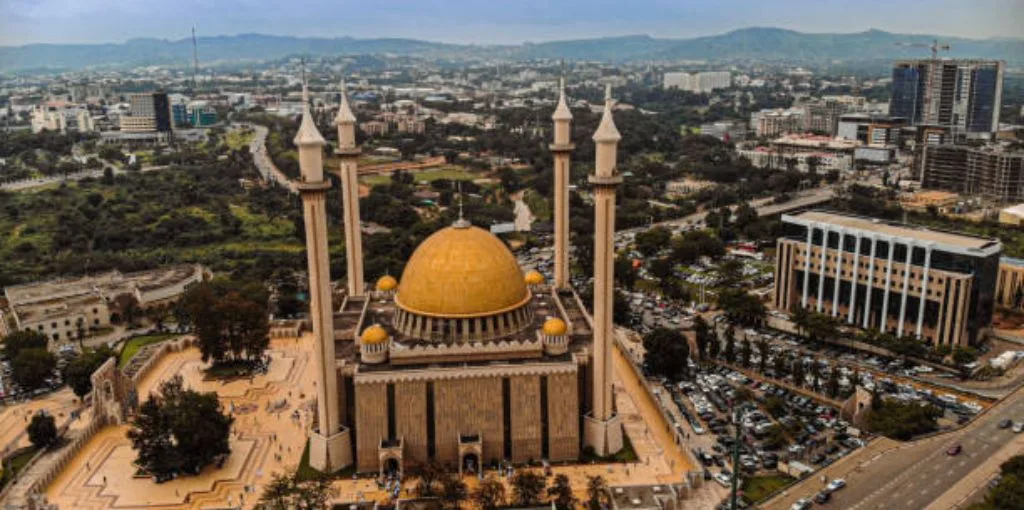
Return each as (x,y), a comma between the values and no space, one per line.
(348,152)
(561,149)
(328,450)
(602,430)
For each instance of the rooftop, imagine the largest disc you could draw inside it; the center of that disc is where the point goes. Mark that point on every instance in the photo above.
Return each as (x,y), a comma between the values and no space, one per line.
(953,241)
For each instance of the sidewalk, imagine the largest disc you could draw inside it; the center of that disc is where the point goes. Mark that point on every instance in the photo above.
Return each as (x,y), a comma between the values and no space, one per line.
(963,493)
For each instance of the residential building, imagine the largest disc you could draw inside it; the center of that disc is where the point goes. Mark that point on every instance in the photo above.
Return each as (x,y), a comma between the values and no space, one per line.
(778,121)
(698,82)
(991,170)
(823,162)
(962,94)
(727,131)
(822,116)
(897,278)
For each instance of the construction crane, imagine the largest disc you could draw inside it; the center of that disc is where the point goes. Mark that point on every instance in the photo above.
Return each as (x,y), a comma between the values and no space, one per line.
(935,47)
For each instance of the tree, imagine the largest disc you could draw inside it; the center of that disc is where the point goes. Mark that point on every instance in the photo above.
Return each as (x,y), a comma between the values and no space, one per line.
(745,353)
(18,340)
(430,476)
(78,372)
(730,345)
(490,494)
(798,372)
(651,241)
(963,356)
(667,353)
(231,319)
(832,384)
(597,493)
(561,493)
(815,374)
(703,335)
(527,487)
(179,430)
(715,348)
(742,307)
(32,367)
(902,420)
(286,492)
(42,430)
(762,351)
(779,364)
(453,491)
(128,309)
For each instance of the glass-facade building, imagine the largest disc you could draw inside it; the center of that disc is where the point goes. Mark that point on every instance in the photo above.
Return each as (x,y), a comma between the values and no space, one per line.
(963,95)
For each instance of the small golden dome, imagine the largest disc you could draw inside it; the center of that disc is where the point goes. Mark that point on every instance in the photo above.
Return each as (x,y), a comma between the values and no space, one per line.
(534,278)
(554,327)
(461,272)
(374,334)
(387,283)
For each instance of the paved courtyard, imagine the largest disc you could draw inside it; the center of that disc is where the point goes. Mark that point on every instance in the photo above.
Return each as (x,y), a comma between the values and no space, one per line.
(15,418)
(267,439)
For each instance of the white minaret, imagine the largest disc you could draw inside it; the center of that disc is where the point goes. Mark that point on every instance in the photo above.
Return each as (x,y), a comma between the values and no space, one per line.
(602,429)
(327,453)
(349,155)
(562,148)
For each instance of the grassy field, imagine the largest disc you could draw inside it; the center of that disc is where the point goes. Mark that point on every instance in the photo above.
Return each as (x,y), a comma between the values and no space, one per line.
(16,464)
(238,139)
(133,345)
(758,488)
(540,206)
(450,172)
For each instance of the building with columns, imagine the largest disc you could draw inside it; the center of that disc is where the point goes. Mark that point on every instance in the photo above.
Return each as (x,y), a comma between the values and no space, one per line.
(463,359)
(901,279)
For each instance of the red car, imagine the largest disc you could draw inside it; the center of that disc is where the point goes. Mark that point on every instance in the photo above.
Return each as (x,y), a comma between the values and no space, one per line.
(954,450)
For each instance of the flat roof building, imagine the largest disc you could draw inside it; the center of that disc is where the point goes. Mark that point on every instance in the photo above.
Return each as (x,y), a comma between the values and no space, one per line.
(898,278)
(991,170)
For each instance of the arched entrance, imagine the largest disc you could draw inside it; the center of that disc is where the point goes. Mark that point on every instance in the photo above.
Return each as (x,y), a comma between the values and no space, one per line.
(470,464)
(392,468)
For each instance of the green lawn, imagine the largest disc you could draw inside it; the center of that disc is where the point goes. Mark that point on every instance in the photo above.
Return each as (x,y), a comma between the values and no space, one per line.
(758,488)
(16,464)
(133,345)
(450,172)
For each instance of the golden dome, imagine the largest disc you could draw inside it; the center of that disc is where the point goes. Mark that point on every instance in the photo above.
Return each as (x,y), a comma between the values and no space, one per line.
(386,283)
(374,334)
(534,278)
(459,272)
(554,327)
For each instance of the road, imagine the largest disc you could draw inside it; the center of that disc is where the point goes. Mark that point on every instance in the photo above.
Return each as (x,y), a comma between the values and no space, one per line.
(763,207)
(912,475)
(260,158)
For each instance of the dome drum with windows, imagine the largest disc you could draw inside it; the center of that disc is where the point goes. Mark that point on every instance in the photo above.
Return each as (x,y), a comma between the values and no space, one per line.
(462,284)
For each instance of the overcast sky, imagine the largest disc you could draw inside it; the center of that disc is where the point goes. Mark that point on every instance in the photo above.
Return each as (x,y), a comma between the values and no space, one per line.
(491,21)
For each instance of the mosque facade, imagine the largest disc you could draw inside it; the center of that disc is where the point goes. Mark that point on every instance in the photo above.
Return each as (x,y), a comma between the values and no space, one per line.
(464,359)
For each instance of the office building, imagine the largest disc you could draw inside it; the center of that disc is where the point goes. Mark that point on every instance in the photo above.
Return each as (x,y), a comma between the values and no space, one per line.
(179,114)
(876,274)
(822,116)
(991,170)
(725,130)
(147,113)
(964,95)
(870,129)
(698,82)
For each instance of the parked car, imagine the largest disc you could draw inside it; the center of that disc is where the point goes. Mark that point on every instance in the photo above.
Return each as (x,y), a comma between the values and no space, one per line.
(1018,427)
(822,497)
(801,504)
(954,450)
(1005,424)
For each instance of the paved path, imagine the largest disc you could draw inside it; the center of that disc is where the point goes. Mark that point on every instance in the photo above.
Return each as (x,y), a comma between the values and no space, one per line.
(264,164)
(891,475)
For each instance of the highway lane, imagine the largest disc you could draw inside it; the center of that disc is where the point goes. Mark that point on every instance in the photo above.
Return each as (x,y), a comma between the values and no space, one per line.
(915,474)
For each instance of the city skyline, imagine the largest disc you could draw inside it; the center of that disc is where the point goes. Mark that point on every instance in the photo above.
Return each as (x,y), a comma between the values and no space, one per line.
(112,21)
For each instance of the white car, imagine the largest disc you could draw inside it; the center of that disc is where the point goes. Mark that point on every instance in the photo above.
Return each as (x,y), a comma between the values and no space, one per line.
(1018,427)
(835,485)
(801,504)
(723,480)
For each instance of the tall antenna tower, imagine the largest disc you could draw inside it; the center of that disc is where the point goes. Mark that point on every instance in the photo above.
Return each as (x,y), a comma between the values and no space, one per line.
(195,60)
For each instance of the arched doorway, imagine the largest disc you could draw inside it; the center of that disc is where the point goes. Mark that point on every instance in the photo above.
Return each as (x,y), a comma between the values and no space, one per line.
(392,468)
(470,464)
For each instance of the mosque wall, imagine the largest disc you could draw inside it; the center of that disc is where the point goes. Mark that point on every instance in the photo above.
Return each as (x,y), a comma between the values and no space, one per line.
(371,424)
(468,406)
(563,417)
(411,420)
(525,419)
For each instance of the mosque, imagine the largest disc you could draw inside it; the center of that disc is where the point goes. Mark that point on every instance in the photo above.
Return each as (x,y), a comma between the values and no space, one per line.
(464,359)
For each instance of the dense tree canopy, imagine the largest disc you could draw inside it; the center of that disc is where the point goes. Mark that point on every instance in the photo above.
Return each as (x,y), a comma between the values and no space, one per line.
(667,352)
(231,319)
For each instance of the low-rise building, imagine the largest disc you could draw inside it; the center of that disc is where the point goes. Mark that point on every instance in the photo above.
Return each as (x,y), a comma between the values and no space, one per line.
(1013,215)
(62,308)
(906,280)
(778,121)
(992,170)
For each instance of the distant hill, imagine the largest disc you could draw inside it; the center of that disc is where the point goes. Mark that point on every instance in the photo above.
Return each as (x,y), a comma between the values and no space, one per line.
(762,44)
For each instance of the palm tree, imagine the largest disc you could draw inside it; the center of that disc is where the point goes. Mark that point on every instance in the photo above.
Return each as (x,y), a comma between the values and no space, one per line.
(597,492)
(490,494)
(561,494)
(762,350)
